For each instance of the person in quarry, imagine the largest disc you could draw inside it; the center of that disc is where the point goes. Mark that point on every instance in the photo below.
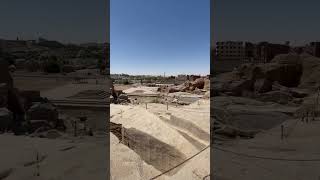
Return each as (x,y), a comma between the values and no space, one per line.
(14,103)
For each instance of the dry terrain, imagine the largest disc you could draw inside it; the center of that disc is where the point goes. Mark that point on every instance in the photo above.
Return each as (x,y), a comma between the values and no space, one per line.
(160,139)
(266,120)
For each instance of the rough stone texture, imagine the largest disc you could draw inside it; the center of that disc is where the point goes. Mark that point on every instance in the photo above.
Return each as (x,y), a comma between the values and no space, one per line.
(278,87)
(262,85)
(198,83)
(207,95)
(299,93)
(286,74)
(276,96)
(234,132)
(290,58)
(311,72)
(206,84)
(237,87)
(43,111)
(173,89)
(283,71)
(123,97)
(39,125)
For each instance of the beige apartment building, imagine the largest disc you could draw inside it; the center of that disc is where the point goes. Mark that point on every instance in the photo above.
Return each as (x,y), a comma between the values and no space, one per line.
(230,50)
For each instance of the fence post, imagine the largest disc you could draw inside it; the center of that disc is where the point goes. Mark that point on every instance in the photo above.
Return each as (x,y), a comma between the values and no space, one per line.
(146,105)
(38,165)
(317,103)
(167,106)
(282,133)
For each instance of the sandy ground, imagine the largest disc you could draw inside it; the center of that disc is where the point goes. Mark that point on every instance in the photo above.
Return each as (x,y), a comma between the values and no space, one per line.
(96,119)
(40,84)
(59,159)
(122,86)
(142,90)
(298,155)
(161,140)
(128,165)
(267,155)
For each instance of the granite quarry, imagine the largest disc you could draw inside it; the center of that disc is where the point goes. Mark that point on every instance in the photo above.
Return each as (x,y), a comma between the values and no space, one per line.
(155,130)
(265,117)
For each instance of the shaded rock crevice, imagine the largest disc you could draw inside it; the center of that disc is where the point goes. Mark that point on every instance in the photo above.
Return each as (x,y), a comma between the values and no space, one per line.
(154,152)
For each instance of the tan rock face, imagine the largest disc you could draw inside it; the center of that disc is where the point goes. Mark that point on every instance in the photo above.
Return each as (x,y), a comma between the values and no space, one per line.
(198,83)
(311,72)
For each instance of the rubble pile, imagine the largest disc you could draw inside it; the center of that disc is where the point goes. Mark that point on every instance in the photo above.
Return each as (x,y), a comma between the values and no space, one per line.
(119,97)
(198,86)
(282,80)
(44,115)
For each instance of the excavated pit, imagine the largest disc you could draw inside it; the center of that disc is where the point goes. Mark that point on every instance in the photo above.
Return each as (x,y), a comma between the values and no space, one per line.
(154,152)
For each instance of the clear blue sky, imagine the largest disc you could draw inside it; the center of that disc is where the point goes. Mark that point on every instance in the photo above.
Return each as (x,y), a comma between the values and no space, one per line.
(76,21)
(157,36)
(271,20)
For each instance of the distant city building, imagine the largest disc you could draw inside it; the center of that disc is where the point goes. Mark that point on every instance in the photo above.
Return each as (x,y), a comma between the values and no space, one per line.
(230,50)
(265,51)
(182,77)
(228,55)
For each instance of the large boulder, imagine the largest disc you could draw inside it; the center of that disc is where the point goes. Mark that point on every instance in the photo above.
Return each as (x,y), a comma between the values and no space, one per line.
(236,88)
(286,71)
(250,71)
(43,111)
(286,74)
(123,97)
(217,88)
(280,97)
(278,87)
(299,93)
(220,115)
(198,83)
(295,92)
(290,58)
(311,72)
(173,89)
(262,85)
